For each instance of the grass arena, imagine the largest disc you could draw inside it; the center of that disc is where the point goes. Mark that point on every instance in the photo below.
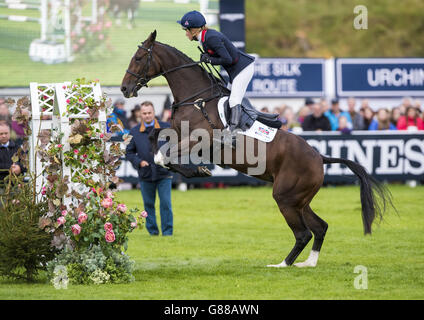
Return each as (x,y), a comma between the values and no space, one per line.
(227,242)
(220,251)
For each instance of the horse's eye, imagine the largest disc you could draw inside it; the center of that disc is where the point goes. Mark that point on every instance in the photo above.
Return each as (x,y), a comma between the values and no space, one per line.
(138,59)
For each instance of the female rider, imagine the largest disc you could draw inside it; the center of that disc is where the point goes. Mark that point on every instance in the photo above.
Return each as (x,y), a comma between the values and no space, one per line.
(220,51)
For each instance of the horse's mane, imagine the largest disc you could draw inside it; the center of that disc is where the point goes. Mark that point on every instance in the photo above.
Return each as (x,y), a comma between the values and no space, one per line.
(186,58)
(179,53)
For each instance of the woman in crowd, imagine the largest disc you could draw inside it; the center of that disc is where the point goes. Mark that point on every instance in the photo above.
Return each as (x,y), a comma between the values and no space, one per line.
(368,116)
(395,115)
(411,120)
(382,122)
(289,116)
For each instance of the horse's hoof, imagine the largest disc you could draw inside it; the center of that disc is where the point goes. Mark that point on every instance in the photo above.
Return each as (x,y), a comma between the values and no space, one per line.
(281,265)
(310,262)
(204,172)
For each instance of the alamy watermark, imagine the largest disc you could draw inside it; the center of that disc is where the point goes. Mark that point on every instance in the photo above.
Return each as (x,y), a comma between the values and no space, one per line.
(198,146)
(361,20)
(361,281)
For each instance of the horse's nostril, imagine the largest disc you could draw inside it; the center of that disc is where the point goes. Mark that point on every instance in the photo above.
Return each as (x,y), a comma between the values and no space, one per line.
(123,89)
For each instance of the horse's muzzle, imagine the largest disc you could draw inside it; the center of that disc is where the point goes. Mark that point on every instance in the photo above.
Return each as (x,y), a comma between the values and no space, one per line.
(129,93)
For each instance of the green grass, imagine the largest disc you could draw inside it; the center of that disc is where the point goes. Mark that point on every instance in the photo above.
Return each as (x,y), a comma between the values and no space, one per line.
(224,238)
(110,66)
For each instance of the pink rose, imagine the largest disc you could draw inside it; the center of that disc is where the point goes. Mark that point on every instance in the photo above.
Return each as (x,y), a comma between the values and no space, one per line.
(76,229)
(121,207)
(109,194)
(133,224)
(82,217)
(109,236)
(144,214)
(68,101)
(108,226)
(102,135)
(43,191)
(107,203)
(64,213)
(59,146)
(76,151)
(61,220)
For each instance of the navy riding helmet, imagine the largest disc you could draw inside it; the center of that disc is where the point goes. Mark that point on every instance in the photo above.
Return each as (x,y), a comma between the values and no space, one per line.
(192,19)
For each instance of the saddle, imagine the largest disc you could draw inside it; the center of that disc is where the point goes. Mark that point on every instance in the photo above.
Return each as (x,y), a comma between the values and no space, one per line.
(250,114)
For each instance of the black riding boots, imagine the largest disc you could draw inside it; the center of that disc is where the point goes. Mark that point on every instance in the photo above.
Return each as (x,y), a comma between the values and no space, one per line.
(233,126)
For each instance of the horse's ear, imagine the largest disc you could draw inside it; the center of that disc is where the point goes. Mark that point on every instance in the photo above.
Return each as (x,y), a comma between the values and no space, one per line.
(152,37)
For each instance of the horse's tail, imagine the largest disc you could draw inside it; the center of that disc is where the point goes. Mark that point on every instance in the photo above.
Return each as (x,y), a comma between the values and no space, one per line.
(374,195)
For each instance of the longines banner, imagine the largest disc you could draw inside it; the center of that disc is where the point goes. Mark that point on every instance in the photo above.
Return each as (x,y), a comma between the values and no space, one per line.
(391,156)
(396,156)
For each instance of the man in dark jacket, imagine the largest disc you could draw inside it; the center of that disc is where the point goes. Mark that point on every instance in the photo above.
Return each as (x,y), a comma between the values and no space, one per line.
(316,121)
(152,177)
(7,149)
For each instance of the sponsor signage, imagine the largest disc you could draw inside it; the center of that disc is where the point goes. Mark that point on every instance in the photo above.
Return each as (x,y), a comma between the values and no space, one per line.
(380,77)
(281,77)
(387,156)
(391,156)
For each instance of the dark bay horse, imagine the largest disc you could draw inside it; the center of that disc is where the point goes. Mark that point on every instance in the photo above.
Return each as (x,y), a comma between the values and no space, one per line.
(294,167)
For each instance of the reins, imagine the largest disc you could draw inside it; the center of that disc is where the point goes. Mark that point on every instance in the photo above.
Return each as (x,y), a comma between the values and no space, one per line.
(143,79)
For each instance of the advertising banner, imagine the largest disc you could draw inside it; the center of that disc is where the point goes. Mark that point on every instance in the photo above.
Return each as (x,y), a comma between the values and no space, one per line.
(380,77)
(281,77)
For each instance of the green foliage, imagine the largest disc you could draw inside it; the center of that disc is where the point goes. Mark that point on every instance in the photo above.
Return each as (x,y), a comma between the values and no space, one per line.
(24,247)
(95,265)
(310,28)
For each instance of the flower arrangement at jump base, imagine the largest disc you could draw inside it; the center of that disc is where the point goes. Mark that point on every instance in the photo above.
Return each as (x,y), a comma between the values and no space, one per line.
(92,230)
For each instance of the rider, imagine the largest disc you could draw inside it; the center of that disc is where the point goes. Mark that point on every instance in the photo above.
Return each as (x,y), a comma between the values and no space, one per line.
(220,51)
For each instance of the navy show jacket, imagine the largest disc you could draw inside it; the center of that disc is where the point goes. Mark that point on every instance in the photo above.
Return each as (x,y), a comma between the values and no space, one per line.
(223,52)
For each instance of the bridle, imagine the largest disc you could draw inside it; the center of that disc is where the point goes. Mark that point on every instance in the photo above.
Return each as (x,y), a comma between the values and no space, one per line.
(143,79)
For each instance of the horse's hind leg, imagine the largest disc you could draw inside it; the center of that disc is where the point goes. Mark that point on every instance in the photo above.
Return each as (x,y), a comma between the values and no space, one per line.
(301,233)
(318,228)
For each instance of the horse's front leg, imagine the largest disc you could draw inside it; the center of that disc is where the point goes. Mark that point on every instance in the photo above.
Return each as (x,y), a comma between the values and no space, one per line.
(170,156)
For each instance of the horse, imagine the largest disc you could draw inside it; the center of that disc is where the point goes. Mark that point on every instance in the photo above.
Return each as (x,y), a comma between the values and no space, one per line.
(293,167)
(128,6)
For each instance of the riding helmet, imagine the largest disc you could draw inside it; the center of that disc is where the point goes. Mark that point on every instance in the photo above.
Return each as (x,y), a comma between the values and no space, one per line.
(192,19)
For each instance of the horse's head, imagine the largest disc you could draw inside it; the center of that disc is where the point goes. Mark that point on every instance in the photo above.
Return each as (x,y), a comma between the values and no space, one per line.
(141,69)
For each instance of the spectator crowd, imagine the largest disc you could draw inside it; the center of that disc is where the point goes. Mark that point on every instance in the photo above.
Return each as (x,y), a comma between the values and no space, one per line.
(320,115)
(323,116)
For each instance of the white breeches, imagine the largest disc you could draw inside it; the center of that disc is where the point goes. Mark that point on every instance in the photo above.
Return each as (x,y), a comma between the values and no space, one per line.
(239,85)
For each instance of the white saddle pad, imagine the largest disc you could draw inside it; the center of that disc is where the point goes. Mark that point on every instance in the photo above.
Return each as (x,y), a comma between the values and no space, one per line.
(258,130)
